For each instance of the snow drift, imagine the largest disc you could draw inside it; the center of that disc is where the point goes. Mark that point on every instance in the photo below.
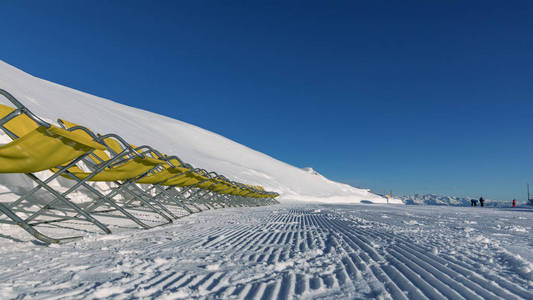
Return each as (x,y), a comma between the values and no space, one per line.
(192,144)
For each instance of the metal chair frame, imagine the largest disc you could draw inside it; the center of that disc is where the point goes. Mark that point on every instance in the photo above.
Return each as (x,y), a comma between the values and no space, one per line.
(152,199)
(128,153)
(60,197)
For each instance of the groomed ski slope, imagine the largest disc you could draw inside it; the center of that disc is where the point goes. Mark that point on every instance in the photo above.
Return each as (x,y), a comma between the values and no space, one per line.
(295,250)
(192,144)
(290,251)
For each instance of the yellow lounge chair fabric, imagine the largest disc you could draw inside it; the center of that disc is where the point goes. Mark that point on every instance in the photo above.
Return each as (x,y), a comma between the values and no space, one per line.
(128,170)
(38,148)
(37,151)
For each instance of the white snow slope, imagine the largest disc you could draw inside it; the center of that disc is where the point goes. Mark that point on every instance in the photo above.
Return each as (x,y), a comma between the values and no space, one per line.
(290,251)
(192,144)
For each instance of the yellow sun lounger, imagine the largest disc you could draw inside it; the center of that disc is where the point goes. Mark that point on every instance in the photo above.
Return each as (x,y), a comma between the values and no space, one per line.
(39,146)
(77,153)
(156,170)
(121,164)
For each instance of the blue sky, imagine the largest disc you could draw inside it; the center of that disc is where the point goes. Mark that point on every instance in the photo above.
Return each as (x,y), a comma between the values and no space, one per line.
(413,96)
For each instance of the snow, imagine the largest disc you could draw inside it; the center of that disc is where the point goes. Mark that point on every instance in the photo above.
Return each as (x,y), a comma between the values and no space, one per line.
(192,144)
(326,240)
(288,251)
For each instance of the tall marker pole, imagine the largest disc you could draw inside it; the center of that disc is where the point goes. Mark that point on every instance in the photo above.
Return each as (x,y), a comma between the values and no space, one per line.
(529,200)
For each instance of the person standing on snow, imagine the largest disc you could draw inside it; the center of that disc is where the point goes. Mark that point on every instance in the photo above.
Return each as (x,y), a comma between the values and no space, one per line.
(472,203)
(514,202)
(481,201)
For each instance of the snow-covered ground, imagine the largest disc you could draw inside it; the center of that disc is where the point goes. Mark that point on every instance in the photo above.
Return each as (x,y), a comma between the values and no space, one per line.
(299,249)
(290,251)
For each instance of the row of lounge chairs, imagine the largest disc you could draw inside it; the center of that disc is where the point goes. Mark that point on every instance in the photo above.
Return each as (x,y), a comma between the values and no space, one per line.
(139,180)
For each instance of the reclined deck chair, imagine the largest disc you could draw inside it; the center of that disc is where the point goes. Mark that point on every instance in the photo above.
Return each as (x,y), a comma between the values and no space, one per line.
(267,197)
(227,195)
(163,167)
(36,146)
(206,184)
(219,190)
(210,184)
(176,174)
(206,181)
(152,179)
(236,195)
(218,184)
(187,181)
(246,194)
(121,164)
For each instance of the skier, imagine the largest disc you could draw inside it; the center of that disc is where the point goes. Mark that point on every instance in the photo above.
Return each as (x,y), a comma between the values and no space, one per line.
(481,201)
(472,202)
(514,202)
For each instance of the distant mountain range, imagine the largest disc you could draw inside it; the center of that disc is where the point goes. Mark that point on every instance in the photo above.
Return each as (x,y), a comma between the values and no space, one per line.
(432,199)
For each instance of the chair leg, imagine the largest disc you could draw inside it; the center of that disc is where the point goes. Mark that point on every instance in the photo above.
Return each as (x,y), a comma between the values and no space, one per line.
(139,194)
(63,199)
(176,200)
(180,195)
(108,200)
(18,221)
(168,192)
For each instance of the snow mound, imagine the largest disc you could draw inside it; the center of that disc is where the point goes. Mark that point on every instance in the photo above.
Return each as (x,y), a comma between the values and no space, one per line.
(311,171)
(192,144)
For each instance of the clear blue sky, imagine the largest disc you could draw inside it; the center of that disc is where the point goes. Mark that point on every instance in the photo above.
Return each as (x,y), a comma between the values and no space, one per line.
(413,96)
